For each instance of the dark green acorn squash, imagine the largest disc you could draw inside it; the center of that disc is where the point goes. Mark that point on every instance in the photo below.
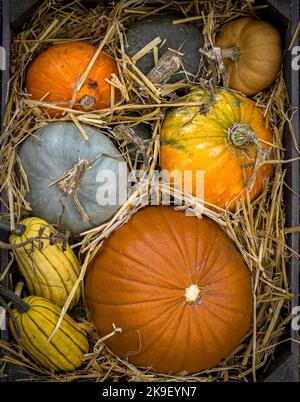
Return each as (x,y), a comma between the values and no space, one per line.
(185,38)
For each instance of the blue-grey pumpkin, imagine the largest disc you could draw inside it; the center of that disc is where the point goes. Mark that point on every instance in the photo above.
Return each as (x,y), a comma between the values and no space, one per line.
(59,148)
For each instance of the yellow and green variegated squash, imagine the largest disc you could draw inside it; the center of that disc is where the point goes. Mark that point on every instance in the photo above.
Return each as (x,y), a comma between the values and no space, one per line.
(225,138)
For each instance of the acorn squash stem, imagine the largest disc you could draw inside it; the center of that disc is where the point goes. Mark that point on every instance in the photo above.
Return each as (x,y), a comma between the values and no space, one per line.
(168,65)
(20,305)
(233,53)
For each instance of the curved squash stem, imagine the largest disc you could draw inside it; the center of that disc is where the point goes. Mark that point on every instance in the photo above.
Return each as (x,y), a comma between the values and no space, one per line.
(260,158)
(19,229)
(70,182)
(212,98)
(12,317)
(7,246)
(54,238)
(20,232)
(20,305)
(70,185)
(242,136)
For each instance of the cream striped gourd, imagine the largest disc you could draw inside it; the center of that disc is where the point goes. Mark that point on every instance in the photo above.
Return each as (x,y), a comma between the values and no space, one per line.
(36,318)
(49,271)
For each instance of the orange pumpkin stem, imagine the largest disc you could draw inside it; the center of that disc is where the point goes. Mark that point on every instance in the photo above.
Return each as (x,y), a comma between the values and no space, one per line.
(241,135)
(87,102)
(192,294)
(233,53)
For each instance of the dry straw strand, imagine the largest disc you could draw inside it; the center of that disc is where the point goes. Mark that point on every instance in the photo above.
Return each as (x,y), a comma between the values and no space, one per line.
(257,228)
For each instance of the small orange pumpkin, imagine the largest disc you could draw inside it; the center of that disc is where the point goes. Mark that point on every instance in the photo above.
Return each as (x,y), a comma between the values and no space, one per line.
(177,288)
(252,54)
(53,74)
(226,138)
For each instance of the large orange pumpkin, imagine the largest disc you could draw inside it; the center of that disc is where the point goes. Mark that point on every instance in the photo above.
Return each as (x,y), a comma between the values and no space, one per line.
(252,54)
(176,286)
(225,138)
(53,74)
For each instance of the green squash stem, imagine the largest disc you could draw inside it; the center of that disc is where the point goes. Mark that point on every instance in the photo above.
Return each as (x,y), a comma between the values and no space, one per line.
(241,135)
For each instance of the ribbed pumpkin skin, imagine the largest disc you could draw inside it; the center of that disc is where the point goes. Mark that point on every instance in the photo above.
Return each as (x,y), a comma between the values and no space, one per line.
(56,70)
(138,283)
(260,57)
(65,350)
(49,271)
(191,140)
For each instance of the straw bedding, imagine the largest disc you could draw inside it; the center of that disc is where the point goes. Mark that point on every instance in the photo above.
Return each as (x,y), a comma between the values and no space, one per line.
(257,228)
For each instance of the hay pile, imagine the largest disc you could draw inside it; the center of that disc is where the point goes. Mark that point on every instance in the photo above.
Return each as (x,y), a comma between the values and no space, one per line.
(257,228)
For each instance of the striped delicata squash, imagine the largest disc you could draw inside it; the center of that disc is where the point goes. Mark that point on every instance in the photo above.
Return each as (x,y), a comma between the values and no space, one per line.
(36,318)
(50,268)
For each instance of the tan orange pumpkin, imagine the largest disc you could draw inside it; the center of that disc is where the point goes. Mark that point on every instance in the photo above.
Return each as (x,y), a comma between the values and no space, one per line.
(225,138)
(252,54)
(53,75)
(177,288)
